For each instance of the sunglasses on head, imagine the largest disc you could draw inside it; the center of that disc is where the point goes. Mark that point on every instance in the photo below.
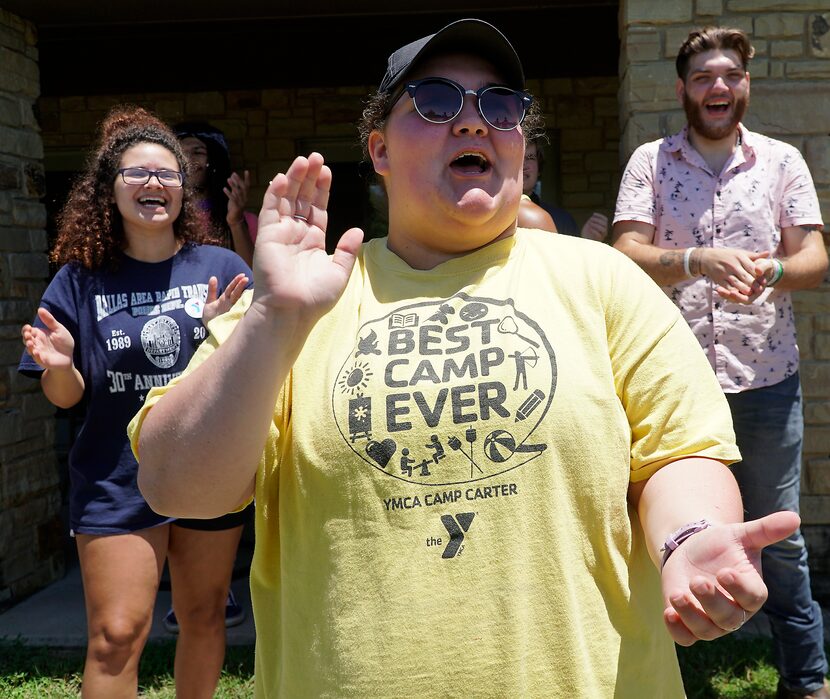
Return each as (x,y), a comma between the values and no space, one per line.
(440,100)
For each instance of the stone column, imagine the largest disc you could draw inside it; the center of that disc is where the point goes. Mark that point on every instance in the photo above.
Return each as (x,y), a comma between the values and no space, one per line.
(31,536)
(790,101)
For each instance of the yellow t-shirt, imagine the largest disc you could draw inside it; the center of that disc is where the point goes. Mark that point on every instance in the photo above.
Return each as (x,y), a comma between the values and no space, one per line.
(441,504)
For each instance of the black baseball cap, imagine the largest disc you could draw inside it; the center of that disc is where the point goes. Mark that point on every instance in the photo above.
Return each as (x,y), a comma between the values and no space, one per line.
(462,36)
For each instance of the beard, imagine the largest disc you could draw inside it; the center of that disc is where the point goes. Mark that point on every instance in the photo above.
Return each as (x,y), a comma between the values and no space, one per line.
(708,130)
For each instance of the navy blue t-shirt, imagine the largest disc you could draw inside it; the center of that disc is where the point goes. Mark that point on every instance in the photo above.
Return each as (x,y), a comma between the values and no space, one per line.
(134,328)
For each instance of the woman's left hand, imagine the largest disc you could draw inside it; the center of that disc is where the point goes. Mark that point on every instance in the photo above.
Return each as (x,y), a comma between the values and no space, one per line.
(712,583)
(216,305)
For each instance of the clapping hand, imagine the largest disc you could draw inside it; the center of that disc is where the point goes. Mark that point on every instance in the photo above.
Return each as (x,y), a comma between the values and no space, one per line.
(50,346)
(216,305)
(293,274)
(712,583)
(237,194)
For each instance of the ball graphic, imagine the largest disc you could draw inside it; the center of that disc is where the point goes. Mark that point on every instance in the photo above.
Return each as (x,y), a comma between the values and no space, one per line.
(473,311)
(499,446)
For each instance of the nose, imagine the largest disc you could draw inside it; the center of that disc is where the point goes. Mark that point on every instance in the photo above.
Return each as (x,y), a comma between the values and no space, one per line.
(154,181)
(469,120)
(719,84)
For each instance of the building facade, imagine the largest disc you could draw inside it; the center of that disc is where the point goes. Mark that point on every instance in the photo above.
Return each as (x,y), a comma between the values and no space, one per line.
(594,122)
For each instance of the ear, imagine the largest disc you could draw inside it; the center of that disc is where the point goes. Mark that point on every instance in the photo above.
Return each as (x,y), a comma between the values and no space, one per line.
(679,90)
(378,152)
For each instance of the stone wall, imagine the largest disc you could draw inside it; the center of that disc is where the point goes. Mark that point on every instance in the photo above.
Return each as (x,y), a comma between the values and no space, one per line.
(790,101)
(266,128)
(583,115)
(31,537)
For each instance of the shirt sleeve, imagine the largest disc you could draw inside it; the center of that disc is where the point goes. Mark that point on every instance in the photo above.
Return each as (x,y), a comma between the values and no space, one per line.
(220,329)
(673,402)
(637,197)
(253,224)
(800,205)
(61,301)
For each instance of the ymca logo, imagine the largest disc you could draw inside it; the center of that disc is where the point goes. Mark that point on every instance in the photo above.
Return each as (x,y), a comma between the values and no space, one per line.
(456,527)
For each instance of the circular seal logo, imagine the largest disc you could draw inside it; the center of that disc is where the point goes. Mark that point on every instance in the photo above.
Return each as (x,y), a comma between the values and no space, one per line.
(446,392)
(161,340)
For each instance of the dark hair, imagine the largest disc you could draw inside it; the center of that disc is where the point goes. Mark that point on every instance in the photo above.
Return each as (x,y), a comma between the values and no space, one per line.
(709,38)
(380,104)
(540,141)
(90,229)
(217,173)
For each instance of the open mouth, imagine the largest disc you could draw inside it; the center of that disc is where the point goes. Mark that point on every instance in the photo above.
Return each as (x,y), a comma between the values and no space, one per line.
(717,108)
(152,202)
(470,163)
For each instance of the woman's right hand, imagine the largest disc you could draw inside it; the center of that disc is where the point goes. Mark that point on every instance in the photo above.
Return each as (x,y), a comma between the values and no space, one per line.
(293,274)
(52,346)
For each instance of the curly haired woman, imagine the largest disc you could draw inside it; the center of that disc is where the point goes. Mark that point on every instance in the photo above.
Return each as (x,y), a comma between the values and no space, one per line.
(125,312)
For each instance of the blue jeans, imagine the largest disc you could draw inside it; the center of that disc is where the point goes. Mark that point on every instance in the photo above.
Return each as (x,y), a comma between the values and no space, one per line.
(769,427)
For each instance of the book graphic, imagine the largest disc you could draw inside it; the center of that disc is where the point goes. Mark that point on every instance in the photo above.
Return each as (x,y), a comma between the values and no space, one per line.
(403,320)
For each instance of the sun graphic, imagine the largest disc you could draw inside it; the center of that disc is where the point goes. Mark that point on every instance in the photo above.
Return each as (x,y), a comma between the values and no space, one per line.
(355,380)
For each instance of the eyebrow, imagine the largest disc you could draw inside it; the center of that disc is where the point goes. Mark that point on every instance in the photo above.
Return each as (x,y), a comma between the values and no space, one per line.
(733,69)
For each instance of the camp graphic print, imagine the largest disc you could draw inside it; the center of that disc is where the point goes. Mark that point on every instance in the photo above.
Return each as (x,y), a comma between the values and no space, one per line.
(446,392)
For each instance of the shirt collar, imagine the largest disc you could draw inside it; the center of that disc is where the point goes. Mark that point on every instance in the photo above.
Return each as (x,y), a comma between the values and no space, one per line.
(679,143)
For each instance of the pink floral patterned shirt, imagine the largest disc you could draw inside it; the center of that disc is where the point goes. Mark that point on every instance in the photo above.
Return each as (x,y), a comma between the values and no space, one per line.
(764,187)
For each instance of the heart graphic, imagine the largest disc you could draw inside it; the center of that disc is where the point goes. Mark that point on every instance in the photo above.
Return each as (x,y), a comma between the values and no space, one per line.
(381,452)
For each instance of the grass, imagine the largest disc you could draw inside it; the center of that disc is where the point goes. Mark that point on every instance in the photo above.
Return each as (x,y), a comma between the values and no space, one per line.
(731,668)
(46,673)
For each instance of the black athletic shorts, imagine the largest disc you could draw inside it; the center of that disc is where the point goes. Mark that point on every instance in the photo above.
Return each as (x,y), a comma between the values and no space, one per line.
(228,521)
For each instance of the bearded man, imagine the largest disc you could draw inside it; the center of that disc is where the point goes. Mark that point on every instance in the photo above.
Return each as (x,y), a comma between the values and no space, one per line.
(727,221)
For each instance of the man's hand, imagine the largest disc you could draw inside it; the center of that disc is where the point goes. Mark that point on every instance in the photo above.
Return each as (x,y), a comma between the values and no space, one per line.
(712,583)
(764,271)
(735,272)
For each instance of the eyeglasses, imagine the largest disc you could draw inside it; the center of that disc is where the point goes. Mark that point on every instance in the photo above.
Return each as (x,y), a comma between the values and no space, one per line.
(141,175)
(440,100)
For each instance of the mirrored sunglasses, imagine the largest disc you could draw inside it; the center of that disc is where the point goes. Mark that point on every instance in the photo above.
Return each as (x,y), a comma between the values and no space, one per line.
(440,100)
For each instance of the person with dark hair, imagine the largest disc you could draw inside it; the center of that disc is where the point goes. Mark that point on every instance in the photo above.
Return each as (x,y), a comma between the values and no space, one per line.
(125,312)
(435,513)
(595,228)
(221,197)
(221,193)
(727,221)
(532,215)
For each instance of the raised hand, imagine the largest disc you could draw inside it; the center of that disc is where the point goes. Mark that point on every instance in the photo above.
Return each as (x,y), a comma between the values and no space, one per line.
(292,271)
(596,227)
(712,583)
(216,305)
(237,194)
(52,346)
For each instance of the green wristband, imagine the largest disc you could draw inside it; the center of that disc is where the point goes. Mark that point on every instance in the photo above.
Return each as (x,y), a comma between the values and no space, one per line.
(779,273)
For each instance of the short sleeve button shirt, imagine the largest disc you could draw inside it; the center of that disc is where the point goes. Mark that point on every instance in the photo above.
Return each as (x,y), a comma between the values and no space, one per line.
(764,187)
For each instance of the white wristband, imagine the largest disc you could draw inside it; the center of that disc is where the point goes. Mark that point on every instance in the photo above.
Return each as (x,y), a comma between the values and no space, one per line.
(687,256)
